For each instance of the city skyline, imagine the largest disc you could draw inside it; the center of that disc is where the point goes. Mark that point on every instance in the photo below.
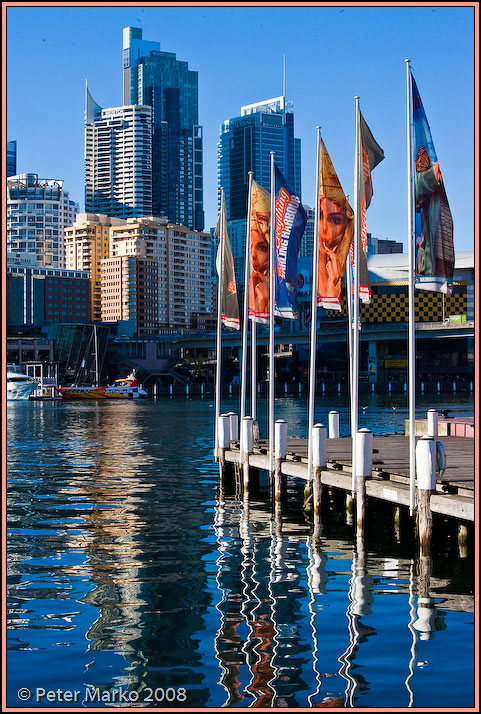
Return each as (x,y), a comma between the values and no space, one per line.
(369,63)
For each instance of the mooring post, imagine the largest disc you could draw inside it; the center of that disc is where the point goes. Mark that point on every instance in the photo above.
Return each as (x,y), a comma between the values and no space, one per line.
(334,425)
(223,437)
(432,422)
(280,453)
(234,426)
(426,483)
(319,461)
(363,468)
(247,438)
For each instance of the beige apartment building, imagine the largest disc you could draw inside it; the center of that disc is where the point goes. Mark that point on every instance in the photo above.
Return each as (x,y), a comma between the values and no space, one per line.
(87,243)
(157,275)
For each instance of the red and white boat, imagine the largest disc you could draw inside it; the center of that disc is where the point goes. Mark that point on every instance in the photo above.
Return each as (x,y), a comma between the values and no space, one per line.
(125,388)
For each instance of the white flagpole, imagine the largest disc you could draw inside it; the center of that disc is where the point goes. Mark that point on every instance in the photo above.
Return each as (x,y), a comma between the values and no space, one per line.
(355,311)
(219,325)
(315,261)
(349,318)
(245,319)
(271,321)
(254,370)
(412,341)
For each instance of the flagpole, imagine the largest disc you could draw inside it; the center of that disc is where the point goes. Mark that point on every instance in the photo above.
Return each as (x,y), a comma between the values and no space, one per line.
(271,321)
(411,324)
(254,370)
(355,310)
(219,325)
(245,317)
(349,268)
(315,261)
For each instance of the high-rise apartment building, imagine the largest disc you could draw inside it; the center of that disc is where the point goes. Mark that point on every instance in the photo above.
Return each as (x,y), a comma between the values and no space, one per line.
(244,145)
(157,275)
(11,158)
(87,243)
(118,159)
(159,80)
(38,212)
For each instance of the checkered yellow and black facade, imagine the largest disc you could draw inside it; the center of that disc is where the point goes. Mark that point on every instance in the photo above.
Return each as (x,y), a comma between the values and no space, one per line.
(390,303)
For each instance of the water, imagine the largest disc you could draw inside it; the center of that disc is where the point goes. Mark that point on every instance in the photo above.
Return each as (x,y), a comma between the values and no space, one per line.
(129,584)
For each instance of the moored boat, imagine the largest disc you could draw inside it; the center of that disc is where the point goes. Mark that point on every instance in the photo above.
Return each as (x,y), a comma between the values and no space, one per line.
(125,388)
(19,386)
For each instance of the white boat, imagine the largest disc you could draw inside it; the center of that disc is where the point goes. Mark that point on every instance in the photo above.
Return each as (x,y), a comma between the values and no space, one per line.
(19,385)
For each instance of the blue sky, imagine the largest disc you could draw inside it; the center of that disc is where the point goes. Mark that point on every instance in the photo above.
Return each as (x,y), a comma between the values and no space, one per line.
(332,54)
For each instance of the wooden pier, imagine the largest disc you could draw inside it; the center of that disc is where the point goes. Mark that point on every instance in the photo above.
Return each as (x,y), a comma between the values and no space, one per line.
(389,481)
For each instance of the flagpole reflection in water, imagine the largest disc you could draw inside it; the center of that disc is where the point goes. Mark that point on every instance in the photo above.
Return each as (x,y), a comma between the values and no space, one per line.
(412,618)
(316,580)
(361,598)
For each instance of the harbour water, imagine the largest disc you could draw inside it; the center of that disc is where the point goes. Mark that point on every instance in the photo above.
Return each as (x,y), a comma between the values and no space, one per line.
(130,584)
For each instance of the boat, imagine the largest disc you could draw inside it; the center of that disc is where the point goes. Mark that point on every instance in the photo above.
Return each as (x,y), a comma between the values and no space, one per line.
(19,385)
(124,388)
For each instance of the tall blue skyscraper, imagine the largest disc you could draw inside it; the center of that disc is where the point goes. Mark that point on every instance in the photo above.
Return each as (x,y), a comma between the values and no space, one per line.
(244,145)
(157,79)
(11,158)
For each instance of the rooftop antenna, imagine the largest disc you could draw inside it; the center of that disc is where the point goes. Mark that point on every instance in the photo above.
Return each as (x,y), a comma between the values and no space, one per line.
(284,78)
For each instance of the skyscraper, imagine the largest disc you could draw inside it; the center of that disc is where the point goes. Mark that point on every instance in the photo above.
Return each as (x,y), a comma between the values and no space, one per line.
(38,211)
(118,160)
(244,145)
(11,158)
(159,80)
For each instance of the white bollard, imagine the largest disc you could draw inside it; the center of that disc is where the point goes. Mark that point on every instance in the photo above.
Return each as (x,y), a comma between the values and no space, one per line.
(364,440)
(333,425)
(319,454)
(432,422)
(280,432)
(426,463)
(247,427)
(223,431)
(234,426)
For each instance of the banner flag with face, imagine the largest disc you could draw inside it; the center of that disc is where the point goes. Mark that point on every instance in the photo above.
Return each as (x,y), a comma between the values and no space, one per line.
(259,278)
(336,228)
(230,304)
(290,221)
(434,253)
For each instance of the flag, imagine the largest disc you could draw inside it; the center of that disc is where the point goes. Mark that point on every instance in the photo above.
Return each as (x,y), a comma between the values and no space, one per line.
(290,221)
(230,305)
(372,155)
(434,254)
(259,277)
(336,227)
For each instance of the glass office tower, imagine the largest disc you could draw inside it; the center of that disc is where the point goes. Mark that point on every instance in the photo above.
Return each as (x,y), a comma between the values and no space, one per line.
(159,80)
(244,145)
(11,158)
